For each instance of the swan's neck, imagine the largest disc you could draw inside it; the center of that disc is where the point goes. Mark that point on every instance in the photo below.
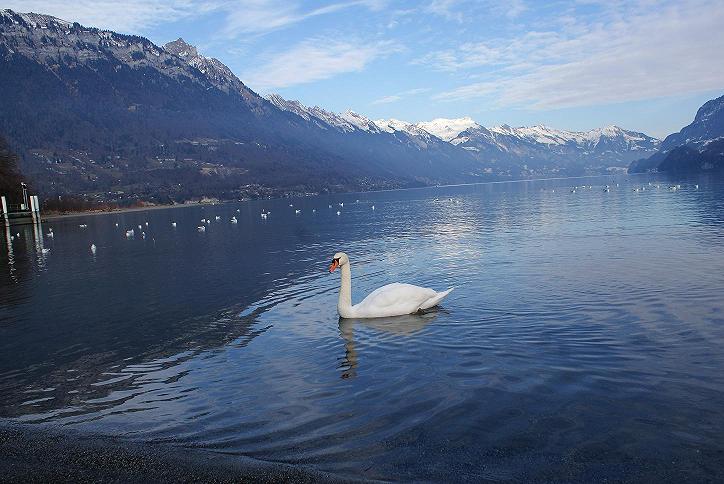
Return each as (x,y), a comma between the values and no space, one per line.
(344,305)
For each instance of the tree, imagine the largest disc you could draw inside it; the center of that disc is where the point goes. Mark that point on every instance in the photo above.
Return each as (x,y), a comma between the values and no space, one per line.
(9,174)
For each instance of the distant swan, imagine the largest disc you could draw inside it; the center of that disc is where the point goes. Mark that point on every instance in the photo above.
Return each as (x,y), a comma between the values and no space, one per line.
(391,300)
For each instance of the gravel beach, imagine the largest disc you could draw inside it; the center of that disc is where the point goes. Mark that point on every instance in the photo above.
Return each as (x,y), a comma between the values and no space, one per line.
(32,454)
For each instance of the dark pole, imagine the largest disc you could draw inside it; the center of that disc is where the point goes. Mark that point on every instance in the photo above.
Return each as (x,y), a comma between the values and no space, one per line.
(25,194)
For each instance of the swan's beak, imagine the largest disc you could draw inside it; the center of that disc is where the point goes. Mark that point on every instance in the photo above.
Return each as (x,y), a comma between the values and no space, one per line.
(333,265)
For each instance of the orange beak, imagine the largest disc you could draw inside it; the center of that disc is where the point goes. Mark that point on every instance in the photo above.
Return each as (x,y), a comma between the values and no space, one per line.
(333,265)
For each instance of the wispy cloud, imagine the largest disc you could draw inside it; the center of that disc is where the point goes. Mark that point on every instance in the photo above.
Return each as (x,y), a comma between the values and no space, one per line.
(387,99)
(262,16)
(240,17)
(129,16)
(401,95)
(466,10)
(660,51)
(313,60)
(445,8)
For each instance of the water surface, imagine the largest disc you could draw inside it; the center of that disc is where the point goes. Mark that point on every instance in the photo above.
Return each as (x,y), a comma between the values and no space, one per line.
(583,339)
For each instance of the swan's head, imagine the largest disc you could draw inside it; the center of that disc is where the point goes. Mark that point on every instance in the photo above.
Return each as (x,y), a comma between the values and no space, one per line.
(339,259)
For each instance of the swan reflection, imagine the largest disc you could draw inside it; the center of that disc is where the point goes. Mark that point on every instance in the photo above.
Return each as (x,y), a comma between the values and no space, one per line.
(399,326)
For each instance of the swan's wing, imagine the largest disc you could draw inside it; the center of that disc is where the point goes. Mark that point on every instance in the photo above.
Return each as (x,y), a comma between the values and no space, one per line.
(394,299)
(436,299)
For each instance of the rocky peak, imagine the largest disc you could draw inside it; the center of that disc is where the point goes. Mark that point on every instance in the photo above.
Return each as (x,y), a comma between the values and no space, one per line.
(181,48)
(709,109)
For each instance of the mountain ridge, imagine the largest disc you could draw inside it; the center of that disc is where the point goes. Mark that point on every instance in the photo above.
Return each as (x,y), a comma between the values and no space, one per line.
(461,131)
(116,116)
(696,148)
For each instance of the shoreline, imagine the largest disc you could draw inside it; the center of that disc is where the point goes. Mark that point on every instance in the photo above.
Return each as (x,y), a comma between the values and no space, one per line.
(225,202)
(59,216)
(49,454)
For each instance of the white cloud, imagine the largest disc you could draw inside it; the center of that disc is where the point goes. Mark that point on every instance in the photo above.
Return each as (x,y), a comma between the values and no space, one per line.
(262,16)
(240,17)
(624,56)
(387,99)
(401,95)
(128,16)
(444,8)
(515,8)
(467,10)
(313,60)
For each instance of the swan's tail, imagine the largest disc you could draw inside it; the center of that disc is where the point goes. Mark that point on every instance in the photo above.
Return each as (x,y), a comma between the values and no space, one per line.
(436,299)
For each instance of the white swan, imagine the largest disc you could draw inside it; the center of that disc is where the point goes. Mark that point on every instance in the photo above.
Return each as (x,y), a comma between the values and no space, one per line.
(391,300)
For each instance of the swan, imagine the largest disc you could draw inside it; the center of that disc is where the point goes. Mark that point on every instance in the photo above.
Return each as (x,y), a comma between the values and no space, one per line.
(391,300)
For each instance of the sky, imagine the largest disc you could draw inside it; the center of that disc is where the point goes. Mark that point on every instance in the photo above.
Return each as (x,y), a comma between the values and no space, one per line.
(643,65)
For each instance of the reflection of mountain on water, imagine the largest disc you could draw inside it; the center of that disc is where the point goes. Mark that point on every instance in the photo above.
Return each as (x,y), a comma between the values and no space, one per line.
(398,326)
(100,380)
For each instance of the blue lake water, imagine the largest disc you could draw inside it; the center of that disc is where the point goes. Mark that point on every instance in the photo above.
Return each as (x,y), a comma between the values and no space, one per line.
(584,339)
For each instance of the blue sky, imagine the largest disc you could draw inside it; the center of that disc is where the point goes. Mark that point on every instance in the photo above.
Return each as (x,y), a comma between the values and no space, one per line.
(645,65)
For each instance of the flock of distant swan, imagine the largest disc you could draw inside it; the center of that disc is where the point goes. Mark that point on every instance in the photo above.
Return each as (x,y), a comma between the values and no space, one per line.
(205,222)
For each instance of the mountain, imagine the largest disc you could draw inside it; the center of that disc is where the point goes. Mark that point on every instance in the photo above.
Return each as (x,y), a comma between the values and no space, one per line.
(445,128)
(502,150)
(118,118)
(707,126)
(541,149)
(696,148)
(688,160)
(115,116)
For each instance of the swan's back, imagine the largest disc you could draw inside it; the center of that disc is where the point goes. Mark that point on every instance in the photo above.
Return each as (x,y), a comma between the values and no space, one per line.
(394,299)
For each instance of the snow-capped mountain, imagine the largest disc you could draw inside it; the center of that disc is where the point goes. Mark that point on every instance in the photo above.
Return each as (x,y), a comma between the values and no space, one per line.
(445,128)
(351,122)
(696,148)
(708,125)
(94,111)
(610,146)
(213,69)
(318,116)
(131,114)
(542,146)
(395,125)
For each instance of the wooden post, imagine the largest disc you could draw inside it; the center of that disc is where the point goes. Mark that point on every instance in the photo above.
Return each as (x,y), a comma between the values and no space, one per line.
(5,211)
(32,208)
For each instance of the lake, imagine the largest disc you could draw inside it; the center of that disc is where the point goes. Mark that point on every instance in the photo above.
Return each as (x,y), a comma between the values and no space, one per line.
(583,340)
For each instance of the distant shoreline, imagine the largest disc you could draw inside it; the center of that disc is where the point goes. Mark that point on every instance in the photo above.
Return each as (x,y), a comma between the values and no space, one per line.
(224,202)
(58,216)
